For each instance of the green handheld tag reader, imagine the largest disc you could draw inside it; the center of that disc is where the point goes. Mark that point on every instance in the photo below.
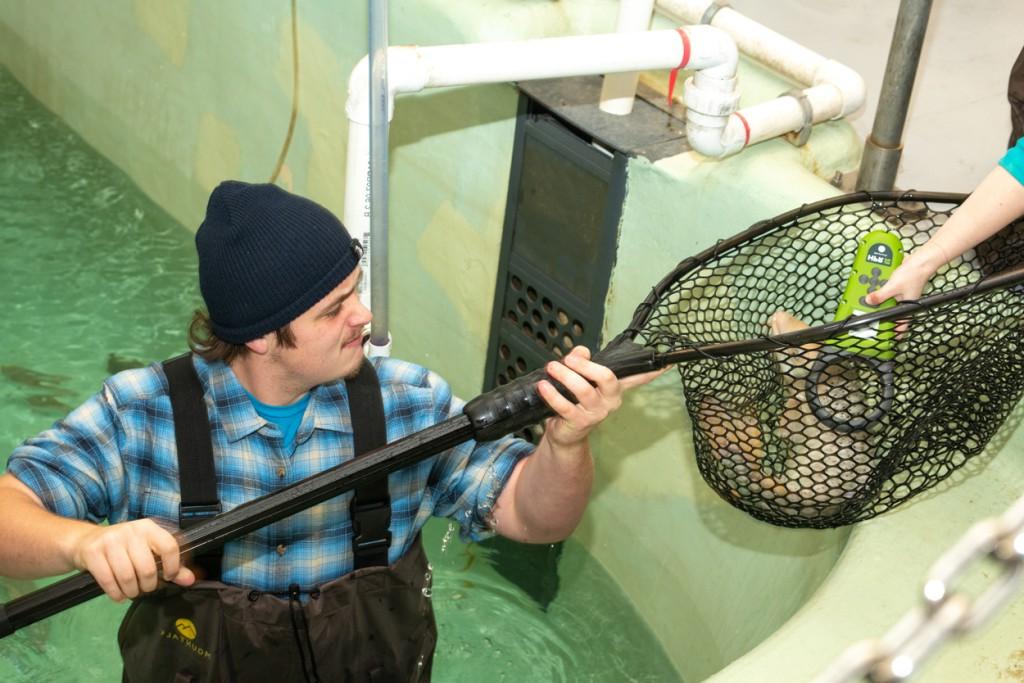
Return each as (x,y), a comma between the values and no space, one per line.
(879,253)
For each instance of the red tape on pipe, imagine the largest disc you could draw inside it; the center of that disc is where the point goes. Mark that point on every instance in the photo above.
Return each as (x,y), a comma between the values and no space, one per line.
(682,64)
(746,128)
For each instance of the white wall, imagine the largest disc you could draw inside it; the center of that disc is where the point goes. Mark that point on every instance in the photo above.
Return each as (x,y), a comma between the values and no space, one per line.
(959,121)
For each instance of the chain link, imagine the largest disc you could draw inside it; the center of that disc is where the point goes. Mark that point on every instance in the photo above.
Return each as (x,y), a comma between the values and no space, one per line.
(945,612)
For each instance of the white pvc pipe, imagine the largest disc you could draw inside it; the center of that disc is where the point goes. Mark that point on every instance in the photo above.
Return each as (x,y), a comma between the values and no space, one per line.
(835,91)
(838,90)
(410,69)
(413,68)
(714,127)
(752,39)
(618,91)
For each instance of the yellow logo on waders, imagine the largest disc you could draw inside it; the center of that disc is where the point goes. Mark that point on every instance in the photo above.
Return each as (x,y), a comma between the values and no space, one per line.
(185,635)
(186,628)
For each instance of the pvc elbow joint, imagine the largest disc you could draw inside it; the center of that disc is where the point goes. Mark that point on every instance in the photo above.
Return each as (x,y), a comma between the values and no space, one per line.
(406,73)
(723,138)
(710,103)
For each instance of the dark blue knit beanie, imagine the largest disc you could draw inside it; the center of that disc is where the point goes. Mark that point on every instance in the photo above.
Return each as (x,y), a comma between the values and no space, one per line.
(265,257)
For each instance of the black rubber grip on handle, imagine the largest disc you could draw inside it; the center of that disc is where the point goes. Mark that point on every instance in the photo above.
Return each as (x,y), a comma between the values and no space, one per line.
(517,404)
(511,406)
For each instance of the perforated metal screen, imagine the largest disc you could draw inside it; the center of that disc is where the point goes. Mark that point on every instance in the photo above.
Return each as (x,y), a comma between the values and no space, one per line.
(564,202)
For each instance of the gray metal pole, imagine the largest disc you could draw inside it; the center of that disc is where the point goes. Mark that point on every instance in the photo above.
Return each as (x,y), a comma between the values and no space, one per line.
(884,146)
(379,171)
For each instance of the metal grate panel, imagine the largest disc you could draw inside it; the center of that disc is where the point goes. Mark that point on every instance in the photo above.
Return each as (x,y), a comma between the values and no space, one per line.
(561,223)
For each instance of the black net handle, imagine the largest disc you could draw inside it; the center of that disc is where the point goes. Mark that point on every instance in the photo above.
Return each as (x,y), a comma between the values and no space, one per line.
(215,531)
(643,312)
(499,412)
(505,410)
(490,416)
(902,311)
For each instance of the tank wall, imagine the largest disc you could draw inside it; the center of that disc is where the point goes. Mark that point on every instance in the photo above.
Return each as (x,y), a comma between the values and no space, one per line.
(183,94)
(712,581)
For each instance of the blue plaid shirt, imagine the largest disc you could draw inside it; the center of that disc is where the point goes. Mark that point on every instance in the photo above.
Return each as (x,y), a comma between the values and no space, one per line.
(114,458)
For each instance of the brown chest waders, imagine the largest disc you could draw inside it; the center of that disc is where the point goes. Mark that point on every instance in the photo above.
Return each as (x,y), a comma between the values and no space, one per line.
(375,624)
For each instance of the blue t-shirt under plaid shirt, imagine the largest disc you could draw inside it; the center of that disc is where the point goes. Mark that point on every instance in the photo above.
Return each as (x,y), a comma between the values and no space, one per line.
(114,458)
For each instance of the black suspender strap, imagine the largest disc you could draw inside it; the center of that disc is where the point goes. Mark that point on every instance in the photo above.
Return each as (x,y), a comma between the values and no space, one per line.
(371,504)
(196,474)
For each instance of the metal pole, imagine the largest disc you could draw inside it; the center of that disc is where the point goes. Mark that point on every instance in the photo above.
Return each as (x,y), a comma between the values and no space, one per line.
(379,171)
(884,146)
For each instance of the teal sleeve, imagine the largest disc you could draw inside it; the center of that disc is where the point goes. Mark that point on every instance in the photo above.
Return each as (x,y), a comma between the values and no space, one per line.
(1013,161)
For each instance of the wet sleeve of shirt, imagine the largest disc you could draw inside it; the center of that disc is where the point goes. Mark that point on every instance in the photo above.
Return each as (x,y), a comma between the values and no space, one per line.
(469,478)
(1013,161)
(74,466)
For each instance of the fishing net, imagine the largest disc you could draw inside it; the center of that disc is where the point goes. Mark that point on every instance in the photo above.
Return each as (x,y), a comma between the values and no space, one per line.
(823,434)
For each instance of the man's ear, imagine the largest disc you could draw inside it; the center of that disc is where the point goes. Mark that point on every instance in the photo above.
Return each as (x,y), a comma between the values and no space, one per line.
(259,345)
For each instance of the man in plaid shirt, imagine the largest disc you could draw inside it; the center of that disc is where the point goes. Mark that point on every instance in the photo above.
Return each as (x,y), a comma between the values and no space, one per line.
(281,335)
